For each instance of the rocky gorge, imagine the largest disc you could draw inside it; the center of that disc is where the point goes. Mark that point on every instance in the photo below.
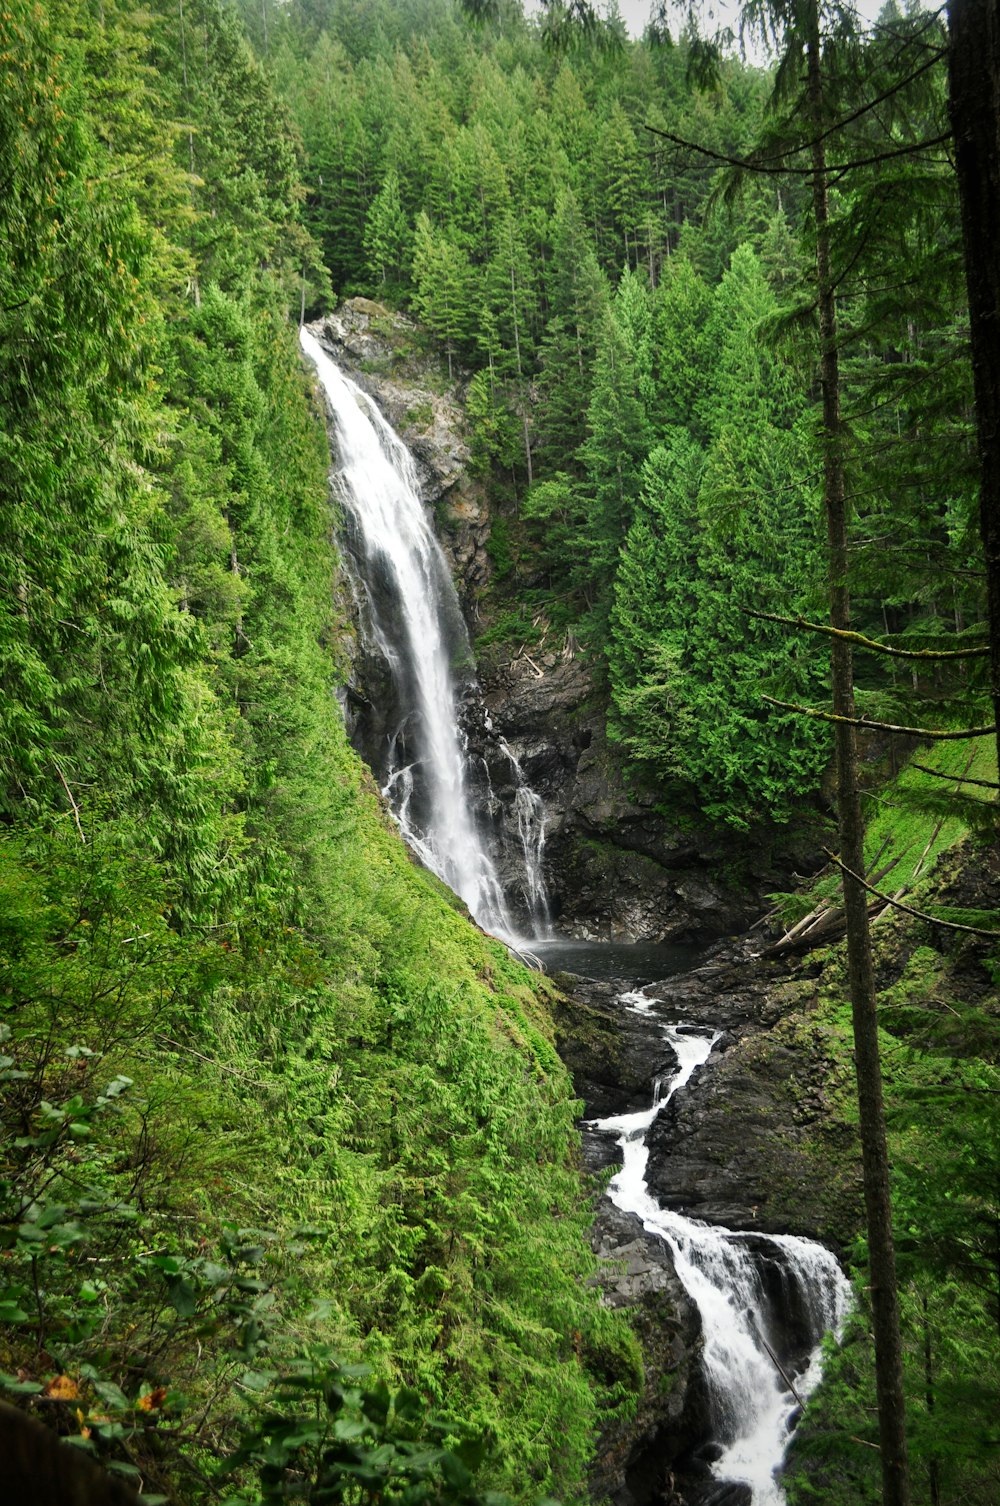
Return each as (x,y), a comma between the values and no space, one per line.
(762,1140)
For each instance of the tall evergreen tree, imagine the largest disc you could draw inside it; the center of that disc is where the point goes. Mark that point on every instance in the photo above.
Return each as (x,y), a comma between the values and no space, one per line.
(974,87)
(618,440)
(443,295)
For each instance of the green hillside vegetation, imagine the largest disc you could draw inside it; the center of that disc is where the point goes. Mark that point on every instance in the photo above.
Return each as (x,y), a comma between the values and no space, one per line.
(264,1088)
(939,1006)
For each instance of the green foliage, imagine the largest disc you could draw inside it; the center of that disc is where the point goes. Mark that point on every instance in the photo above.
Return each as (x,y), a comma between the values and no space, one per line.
(717,530)
(325,1437)
(940,1046)
(229,1001)
(387,237)
(494,441)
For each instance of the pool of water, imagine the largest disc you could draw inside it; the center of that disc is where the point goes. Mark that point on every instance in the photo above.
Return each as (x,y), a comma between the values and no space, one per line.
(632,963)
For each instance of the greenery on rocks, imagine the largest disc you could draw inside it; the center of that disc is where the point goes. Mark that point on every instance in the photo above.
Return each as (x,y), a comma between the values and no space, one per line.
(289,1200)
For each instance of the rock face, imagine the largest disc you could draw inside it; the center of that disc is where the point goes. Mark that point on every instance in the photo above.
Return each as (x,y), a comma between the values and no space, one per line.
(635,1461)
(618,868)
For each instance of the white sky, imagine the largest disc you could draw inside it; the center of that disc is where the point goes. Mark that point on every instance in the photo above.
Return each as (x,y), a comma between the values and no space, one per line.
(635,13)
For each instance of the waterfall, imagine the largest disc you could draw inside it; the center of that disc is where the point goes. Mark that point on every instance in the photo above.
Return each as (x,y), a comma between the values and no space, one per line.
(417,626)
(753,1406)
(530,814)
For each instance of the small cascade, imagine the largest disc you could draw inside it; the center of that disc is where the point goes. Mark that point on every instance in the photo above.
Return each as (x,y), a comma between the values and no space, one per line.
(530,813)
(754,1400)
(415,624)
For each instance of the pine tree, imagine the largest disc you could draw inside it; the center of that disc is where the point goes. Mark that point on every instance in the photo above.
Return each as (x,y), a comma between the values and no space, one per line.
(618,440)
(578,294)
(387,237)
(443,292)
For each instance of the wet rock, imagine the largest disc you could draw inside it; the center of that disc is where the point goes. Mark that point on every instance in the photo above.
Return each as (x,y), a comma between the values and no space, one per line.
(616,867)
(632,1460)
(761,1142)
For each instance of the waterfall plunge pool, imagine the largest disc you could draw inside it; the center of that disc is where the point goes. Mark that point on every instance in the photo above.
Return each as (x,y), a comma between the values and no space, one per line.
(630,964)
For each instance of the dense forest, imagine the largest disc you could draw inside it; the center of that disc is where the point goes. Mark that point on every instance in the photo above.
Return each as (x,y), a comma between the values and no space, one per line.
(290,1177)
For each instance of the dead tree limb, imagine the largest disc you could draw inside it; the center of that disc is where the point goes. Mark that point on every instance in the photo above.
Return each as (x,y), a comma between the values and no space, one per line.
(862,721)
(975,652)
(949,925)
(984,784)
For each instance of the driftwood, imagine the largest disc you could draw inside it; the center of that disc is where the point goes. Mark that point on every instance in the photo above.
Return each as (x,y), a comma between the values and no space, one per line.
(827,920)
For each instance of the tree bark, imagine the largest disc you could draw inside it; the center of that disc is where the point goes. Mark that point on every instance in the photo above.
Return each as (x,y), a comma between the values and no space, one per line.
(974,106)
(871,1112)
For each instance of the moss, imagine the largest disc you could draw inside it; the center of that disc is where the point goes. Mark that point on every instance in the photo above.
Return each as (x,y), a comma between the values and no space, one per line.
(420,416)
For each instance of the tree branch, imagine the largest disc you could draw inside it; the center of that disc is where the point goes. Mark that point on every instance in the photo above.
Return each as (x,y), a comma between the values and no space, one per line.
(69,796)
(835,169)
(871,104)
(986,784)
(870,643)
(950,925)
(861,721)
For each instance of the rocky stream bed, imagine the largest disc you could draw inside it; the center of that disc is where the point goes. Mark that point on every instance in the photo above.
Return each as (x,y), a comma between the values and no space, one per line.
(755,1142)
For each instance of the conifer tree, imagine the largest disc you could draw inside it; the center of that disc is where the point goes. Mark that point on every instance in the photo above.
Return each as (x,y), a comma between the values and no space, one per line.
(618,440)
(974,102)
(442,287)
(807,57)
(387,236)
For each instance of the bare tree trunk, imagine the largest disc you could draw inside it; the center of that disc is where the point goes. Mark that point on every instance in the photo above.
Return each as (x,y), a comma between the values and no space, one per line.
(974,106)
(871,1111)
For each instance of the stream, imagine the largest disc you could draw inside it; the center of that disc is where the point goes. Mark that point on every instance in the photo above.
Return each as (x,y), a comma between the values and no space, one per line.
(456,823)
(754,1399)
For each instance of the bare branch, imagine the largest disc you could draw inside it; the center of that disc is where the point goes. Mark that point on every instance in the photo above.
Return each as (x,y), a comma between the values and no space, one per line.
(834,169)
(986,784)
(861,721)
(69,796)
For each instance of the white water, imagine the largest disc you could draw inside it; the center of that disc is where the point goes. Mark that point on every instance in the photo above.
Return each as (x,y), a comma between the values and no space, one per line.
(426,785)
(753,1407)
(530,813)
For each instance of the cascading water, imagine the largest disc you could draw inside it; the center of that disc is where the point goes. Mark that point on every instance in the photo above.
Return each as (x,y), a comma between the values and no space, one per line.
(418,629)
(753,1402)
(530,814)
(416,624)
